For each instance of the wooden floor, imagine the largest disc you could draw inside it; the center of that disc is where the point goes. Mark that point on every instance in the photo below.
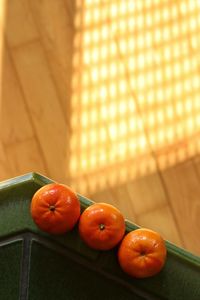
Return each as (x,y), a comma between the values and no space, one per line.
(36,71)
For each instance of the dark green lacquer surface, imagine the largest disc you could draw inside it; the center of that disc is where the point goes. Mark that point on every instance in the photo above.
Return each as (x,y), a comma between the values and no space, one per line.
(10,268)
(35,265)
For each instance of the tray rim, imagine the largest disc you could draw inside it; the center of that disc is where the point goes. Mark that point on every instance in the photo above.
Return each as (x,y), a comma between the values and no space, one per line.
(41,180)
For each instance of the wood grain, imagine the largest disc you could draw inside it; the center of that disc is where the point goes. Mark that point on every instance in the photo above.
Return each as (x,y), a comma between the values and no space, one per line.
(57,40)
(183,188)
(24,157)
(147,193)
(42,100)
(15,126)
(5,168)
(20,27)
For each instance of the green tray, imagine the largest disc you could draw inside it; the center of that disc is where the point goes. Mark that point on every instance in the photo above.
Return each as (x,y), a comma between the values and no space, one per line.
(35,265)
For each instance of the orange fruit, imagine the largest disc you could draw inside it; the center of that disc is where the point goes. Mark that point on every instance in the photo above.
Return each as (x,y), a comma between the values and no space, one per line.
(55,208)
(101,226)
(142,253)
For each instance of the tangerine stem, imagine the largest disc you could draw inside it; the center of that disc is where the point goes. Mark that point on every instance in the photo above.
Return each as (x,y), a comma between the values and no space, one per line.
(101,226)
(52,207)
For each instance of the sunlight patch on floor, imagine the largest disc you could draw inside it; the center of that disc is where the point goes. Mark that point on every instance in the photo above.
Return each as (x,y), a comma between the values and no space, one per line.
(135,89)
